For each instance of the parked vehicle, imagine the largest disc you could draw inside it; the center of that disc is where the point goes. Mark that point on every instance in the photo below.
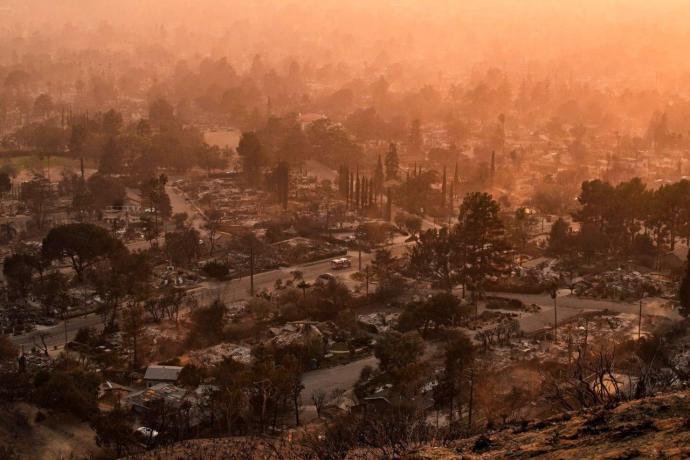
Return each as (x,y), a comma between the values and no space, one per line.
(325,277)
(341,263)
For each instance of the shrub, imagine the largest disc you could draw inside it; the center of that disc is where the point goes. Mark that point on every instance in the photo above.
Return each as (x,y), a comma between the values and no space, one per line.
(216,270)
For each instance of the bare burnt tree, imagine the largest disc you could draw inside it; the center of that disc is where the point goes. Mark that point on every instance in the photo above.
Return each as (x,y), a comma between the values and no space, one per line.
(378,432)
(589,381)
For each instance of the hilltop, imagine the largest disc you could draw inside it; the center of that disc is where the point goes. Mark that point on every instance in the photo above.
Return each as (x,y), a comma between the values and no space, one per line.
(657,427)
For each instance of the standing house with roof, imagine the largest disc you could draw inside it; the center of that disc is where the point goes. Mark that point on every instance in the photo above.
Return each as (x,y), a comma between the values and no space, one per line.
(156,374)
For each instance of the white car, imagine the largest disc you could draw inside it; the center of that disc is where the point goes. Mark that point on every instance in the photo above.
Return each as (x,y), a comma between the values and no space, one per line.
(341,263)
(146,432)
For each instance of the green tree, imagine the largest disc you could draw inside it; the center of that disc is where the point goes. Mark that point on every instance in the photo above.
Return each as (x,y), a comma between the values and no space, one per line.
(480,240)
(114,430)
(261,308)
(252,155)
(379,177)
(5,183)
(105,191)
(18,270)
(43,105)
(212,225)
(392,163)
(208,324)
(52,291)
(212,158)
(73,391)
(559,237)
(443,309)
(162,115)
(8,350)
(451,391)
(112,160)
(182,246)
(383,265)
(332,144)
(111,122)
(83,244)
(432,257)
(440,310)
(396,350)
(415,138)
(591,241)
(410,223)
(120,277)
(132,330)
(159,201)
(39,197)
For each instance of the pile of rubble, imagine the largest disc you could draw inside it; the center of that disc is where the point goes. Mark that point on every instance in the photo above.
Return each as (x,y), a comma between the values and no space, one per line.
(218,353)
(176,277)
(378,322)
(17,319)
(296,333)
(239,208)
(301,250)
(622,285)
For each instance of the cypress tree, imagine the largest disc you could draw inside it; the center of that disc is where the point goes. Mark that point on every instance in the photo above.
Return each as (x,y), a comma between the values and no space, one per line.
(443,189)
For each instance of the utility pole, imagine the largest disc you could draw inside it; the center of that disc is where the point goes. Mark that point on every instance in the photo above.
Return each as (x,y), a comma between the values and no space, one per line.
(366,277)
(469,415)
(639,316)
(555,321)
(639,322)
(251,270)
(554,296)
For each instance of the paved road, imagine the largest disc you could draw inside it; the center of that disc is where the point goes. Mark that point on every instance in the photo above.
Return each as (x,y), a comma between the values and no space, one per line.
(55,336)
(238,289)
(569,306)
(338,377)
(345,376)
(229,291)
(179,204)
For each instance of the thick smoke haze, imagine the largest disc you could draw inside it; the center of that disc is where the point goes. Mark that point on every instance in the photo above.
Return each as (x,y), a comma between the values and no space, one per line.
(329,229)
(637,43)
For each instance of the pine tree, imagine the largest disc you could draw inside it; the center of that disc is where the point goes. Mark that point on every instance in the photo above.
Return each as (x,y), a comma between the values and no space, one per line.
(357,190)
(343,178)
(392,163)
(416,136)
(378,177)
(451,198)
(364,193)
(282,183)
(350,190)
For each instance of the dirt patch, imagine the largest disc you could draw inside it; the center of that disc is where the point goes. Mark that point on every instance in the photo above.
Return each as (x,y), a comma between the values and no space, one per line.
(55,437)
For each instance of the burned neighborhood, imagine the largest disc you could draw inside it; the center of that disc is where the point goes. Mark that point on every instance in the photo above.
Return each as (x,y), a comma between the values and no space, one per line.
(344,230)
